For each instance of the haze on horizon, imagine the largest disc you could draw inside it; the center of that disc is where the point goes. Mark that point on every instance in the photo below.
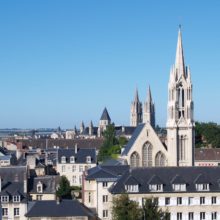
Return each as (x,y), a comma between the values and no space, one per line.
(63,62)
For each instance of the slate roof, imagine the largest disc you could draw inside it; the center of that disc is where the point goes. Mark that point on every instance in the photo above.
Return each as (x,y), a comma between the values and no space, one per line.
(49,184)
(134,137)
(190,175)
(105,115)
(124,130)
(12,182)
(80,156)
(63,143)
(66,208)
(106,172)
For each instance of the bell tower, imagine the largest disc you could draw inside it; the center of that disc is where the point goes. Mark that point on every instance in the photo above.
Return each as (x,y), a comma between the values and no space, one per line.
(180,122)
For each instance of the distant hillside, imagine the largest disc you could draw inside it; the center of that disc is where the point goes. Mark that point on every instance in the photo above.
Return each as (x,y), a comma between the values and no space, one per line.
(207,135)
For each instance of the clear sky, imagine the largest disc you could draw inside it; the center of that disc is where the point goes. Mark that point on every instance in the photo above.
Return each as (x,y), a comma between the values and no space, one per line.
(64,61)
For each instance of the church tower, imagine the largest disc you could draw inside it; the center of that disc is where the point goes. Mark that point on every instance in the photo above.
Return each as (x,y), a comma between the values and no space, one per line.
(149,110)
(180,122)
(136,111)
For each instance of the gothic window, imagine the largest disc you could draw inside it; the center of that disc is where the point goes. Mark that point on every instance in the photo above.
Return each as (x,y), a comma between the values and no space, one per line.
(135,159)
(160,160)
(182,147)
(147,155)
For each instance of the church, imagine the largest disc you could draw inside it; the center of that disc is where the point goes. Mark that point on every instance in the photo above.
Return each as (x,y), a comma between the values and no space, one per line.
(146,148)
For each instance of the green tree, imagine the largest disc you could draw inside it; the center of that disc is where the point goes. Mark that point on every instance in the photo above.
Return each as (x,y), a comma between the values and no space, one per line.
(125,209)
(64,189)
(109,141)
(152,211)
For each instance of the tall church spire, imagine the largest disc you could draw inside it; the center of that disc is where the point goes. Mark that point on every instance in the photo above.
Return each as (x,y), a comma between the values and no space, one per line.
(179,64)
(149,110)
(136,110)
(180,122)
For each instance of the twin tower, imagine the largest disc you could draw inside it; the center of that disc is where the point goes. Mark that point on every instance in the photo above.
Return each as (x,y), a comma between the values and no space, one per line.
(142,114)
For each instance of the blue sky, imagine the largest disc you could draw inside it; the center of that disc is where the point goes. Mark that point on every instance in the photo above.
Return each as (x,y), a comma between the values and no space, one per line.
(64,61)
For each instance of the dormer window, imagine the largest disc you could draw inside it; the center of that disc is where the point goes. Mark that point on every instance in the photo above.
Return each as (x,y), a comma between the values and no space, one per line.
(40,187)
(156,187)
(131,188)
(4,198)
(179,187)
(202,187)
(72,159)
(88,159)
(16,198)
(63,159)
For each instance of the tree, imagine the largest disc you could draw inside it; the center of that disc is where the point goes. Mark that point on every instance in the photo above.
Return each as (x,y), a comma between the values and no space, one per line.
(125,209)
(152,211)
(64,189)
(109,141)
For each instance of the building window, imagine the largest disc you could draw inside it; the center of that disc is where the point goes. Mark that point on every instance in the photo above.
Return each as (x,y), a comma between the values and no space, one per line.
(4,212)
(147,155)
(16,212)
(39,197)
(74,179)
(214,200)
(63,168)
(131,188)
(74,168)
(179,187)
(135,159)
(105,198)
(88,159)
(191,216)
(80,168)
(39,187)
(160,159)
(72,159)
(179,215)
(156,188)
(202,200)
(190,200)
(4,199)
(202,215)
(105,213)
(63,159)
(167,201)
(179,200)
(104,184)
(16,198)
(214,215)
(202,187)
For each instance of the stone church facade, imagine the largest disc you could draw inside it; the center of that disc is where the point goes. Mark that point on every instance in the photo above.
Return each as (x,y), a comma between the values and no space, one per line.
(146,148)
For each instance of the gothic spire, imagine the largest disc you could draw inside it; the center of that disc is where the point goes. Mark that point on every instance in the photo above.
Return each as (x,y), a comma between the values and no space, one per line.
(179,64)
(136,96)
(149,95)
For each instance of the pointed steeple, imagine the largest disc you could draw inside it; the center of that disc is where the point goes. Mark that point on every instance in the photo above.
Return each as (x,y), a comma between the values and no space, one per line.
(149,95)
(105,116)
(179,64)
(136,96)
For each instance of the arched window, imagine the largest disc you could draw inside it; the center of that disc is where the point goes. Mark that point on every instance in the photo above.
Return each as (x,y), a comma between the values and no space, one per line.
(160,160)
(182,147)
(134,160)
(147,160)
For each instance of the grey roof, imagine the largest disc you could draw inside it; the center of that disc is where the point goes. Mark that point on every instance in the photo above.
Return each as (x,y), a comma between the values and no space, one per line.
(106,172)
(124,130)
(168,176)
(66,208)
(134,137)
(105,115)
(63,143)
(49,184)
(12,182)
(80,156)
